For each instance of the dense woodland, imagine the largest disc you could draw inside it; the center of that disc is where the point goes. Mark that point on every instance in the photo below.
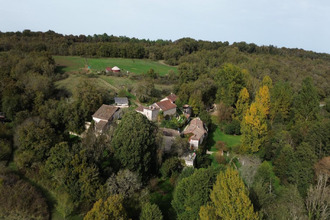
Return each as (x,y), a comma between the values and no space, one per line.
(270,96)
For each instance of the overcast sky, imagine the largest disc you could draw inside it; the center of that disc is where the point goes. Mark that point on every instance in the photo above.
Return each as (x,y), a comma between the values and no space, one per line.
(283,23)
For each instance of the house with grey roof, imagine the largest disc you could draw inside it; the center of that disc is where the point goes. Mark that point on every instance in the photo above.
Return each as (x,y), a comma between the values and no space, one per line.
(104,116)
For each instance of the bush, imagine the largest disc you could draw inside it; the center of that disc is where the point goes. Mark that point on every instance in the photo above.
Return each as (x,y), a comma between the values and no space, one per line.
(233,128)
(220,158)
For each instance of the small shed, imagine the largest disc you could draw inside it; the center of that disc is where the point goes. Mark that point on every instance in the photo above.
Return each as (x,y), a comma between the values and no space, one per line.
(121,102)
(108,69)
(115,69)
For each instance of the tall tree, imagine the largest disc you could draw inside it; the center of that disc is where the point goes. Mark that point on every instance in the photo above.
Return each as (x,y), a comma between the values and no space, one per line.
(281,101)
(134,144)
(254,126)
(306,103)
(34,138)
(230,80)
(193,192)
(229,199)
(254,129)
(302,175)
(242,104)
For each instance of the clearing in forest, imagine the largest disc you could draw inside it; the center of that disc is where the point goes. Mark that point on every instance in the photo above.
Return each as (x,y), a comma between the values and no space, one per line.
(137,66)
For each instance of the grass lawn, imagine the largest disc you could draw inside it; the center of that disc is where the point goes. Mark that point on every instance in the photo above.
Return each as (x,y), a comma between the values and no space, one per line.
(138,66)
(215,135)
(218,135)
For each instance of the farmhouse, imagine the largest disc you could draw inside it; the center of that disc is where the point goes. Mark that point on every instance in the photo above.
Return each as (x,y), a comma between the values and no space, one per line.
(121,102)
(150,112)
(168,107)
(104,116)
(197,131)
(115,69)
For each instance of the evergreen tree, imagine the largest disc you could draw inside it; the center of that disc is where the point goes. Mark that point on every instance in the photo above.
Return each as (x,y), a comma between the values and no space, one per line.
(306,103)
(192,192)
(134,144)
(281,101)
(242,104)
(302,175)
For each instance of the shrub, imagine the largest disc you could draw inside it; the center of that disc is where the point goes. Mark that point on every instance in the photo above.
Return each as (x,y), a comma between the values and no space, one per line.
(233,128)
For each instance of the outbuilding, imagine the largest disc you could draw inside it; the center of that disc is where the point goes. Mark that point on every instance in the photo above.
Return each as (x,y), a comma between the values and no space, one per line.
(115,69)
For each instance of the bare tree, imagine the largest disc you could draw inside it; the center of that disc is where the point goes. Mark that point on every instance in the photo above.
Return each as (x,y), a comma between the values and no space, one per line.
(318,199)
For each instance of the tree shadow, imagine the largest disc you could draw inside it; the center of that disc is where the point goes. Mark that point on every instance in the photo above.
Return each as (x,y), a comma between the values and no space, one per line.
(60,69)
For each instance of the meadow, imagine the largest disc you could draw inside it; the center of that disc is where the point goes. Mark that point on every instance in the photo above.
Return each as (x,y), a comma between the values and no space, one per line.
(137,66)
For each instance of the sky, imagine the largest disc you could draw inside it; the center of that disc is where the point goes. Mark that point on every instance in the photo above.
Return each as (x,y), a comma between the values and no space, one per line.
(283,23)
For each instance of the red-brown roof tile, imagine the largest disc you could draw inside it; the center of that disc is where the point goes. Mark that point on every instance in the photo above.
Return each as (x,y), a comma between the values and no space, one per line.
(196,127)
(166,105)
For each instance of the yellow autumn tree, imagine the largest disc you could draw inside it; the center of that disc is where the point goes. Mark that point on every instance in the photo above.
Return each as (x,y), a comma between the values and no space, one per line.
(263,99)
(242,104)
(229,199)
(267,81)
(254,124)
(112,208)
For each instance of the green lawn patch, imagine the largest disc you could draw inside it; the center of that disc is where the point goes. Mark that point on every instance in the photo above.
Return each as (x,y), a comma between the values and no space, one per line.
(218,135)
(215,134)
(138,66)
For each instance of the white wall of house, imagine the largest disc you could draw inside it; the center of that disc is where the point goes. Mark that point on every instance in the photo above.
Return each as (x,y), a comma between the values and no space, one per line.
(170,112)
(151,114)
(194,143)
(97,120)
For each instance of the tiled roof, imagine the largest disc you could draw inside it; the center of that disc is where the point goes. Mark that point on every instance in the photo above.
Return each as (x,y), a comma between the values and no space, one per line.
(166,105)
(140,108)
(172,97)
(105,112)
(196,127)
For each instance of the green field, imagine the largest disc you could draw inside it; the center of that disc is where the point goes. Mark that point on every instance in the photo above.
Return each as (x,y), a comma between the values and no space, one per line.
(137,66)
